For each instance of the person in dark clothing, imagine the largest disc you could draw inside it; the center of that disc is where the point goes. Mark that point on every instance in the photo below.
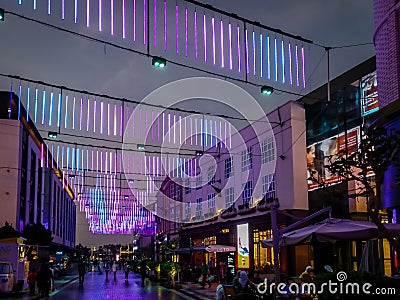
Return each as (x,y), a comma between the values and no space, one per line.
(204,274)
(44,278)
(106,268)
(242,286)
(81,271)
(32,278)
(143,271)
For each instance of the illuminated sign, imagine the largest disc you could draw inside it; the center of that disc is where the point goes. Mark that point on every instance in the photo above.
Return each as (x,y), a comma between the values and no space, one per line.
(369,94)
(243,258)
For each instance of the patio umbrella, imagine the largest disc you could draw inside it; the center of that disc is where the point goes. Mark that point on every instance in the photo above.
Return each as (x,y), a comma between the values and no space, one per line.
(333,230)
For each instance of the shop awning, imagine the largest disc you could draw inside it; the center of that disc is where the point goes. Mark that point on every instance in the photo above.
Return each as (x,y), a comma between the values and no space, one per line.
(209,248)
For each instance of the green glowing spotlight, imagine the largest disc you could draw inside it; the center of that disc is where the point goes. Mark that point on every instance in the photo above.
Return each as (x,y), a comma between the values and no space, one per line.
(141,147)
(52,135)
(159,62)
(1,15)
(267,90)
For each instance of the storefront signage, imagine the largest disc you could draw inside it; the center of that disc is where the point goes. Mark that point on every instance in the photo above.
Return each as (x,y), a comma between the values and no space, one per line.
(243,257)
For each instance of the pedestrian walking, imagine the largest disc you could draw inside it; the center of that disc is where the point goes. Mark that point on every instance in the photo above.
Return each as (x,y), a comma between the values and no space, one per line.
(44,278)
(32,278)
(126,271)
(106,268)
(114,269)
(81,271)
(204,274)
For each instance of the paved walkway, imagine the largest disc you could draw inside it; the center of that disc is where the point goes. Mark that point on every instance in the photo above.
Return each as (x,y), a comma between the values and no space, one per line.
(195,291)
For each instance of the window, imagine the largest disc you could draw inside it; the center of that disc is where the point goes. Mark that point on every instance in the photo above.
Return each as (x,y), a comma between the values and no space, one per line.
(199,182)
(211,203)
(172,191)
(172,218)
(199,207)
(262,256)
(229,197)
(228,167)
(187,187)
(211,175)
(247,160)
(268,150)
(247,192)
(178,192)
(187,210)
(268,184)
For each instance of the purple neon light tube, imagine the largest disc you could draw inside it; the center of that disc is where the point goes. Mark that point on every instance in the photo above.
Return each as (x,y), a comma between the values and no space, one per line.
(186,32)
(230,45)
(297,66)
(123,20)
(49,7)
(238,48)
(88,115)
(283,61)
(101,117)
(177,28)
(108,118)
(144,22)
(222,45)
(94,115)
(121,123)
(112,17)
(254,53)
(155,24)
(290,64)
(63,9)
(213,37)
(80,117)
(76,11)
(205,36)
(303,67)
(87,13)
(247,53)
(134,20)
(165,27)
(261,55)
(34,5)
(195,35)
(276,59)
(115,119)
(268,59)
(100,13)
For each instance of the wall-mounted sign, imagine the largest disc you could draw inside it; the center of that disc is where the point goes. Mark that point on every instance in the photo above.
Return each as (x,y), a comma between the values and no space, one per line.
(369,94)
(243,258)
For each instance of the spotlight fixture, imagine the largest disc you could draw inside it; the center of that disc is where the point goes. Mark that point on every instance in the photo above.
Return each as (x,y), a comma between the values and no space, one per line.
(126,197)
(267,90)
(141,147)
(131,181)
(71,176)
(1,14)
(159,62)
(52,134)
(199,153)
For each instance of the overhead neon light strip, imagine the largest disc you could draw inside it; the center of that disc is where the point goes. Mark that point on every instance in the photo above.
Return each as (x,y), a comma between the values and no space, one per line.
(36,104)
(100,13)
(76,11)
(155,24)
(112,17)
(254,53)
(63,9)
(134,20)
(144,22)
(34,4)
(115,119)
(261,55)
(283,61)
(80,117)
(205,36)
(66,112)
(268,58)
(222,45)
(165,27)
(88,13)
(19,2)
(177,28)
(195,35)
(276,59)
(43,107)
(57,156)
(41,155)
(297,66)
(73,113)
(94,115)
(123,20)
(108,118)
(230,46)
(303,67)
(27,103)
(121,124)
(238,48)
(186,32)
(88,115)
(213,37)
(247,53)
(101,117)
(19,101)
(51,107)
(290,64)
(59,110)
(49,7)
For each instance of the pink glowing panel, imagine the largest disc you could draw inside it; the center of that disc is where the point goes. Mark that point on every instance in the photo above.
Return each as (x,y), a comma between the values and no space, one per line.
(87,13)
(123,20)
(177,28)
(186,32)
(165,27)
(134,20)
(73,114)
(222,44)
(195,35)
(155,23)
(174,129)
(303,67)
(238,48)
(283,61)
(100,16)
(205,37)
(144,22)
(213,38)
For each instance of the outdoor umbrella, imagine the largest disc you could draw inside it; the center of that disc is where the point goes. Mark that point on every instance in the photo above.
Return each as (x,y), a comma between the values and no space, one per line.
(333,230)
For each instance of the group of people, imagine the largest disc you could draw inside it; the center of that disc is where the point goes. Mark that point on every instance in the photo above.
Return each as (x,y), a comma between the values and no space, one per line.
(42,279)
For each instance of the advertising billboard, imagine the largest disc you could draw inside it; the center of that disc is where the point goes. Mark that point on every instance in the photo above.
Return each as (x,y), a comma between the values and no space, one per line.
(369,94)
(243,256)
(318,156)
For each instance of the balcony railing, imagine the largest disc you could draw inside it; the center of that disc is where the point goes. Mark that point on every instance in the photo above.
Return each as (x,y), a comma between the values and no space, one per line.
(230,212)
(245,208)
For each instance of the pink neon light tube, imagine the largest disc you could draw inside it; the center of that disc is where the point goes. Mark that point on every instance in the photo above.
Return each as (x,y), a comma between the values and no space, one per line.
(213,37)
(297,66)
(155,24)
(186,32)
(87,13)
(247,53)
(303,67)
(144,22)
(88,115)
(290,64)
(123,20)
(100,15)
(205,36)
(230,46)
(94,115)
(177,28)
(195,35)
(222,44)
(238,48)
(134,20)
(165,27)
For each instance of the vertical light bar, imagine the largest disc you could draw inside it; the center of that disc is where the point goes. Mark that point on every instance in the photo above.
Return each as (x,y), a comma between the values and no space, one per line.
(28,103)
(261,55)
(100,15)
(283,61)
(88,115)
(123,20)
(165,27)
(195,35)
(41,155)
(238,48)
(121,123)
(134,20)
(177,28)
(230,45)
(34,5)
(247,52)
(66,112)
(94,115)
(20,2)
(268,58)
(222,44)
(80,116)
(112,16)
(59,110)
(144,22)
(108,118)
(205,36)
(75,11)
(115,119)
(186,32)
(49,7)
(19,101)
(254,53)
(44,106)
(276,59)
(213,37)
(297,67)
(51,107)
(101,117)
(63,9)
(155,24)
(62,159)
(88,13)
(57,156)
(73,113)
(303,66)
(290,64)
